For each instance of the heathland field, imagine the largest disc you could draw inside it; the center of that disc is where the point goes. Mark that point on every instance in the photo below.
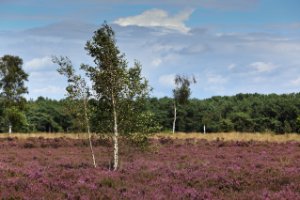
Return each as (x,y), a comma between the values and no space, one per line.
(179,166)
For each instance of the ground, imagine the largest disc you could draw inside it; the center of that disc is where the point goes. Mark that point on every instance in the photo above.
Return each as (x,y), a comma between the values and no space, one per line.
(169,168)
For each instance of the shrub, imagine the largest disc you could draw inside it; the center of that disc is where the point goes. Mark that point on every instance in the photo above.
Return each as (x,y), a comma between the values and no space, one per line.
(28,145)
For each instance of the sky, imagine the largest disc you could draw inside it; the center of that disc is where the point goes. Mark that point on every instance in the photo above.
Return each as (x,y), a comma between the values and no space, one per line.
(230,46)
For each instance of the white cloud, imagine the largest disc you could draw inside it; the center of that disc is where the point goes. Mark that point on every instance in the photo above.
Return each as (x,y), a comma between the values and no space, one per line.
(37,64)
(261,67)
(231,66)
(216,78)
(158,18)
(260,79)
(167,80)
(43,76)
(48,90)
(156,62)
(160,47)
(212,83)
(295,82)
(230,58)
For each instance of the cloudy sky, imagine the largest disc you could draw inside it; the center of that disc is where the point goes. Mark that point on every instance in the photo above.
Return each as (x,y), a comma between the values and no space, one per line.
(231,46)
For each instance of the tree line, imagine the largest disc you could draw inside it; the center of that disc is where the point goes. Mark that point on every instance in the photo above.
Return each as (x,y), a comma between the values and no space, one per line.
(242,113)
(121,104)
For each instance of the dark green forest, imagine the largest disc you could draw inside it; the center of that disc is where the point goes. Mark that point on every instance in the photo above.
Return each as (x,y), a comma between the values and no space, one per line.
(242,113)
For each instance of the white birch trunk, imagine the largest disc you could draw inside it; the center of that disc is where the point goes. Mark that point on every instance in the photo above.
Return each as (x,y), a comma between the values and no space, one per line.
(115,136)
(9,128)
(88,130)
(175,116)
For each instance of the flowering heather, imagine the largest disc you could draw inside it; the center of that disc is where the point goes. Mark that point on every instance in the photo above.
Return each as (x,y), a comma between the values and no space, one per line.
(168,169)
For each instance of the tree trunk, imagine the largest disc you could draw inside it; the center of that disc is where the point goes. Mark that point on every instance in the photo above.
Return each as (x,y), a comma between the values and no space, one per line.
(9,128)
(175,116)
(116,135)
(88,131)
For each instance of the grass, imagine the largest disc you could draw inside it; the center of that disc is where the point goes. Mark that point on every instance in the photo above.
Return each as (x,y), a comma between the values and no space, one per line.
(45,135)
(232,136)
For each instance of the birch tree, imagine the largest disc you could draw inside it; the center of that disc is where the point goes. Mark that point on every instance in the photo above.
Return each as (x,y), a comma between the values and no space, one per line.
(181,93)
(113,82)
(78,91)
(12,88)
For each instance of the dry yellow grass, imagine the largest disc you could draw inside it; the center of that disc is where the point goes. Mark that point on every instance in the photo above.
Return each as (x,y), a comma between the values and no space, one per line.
(234,136)
(45,135)
(211,136)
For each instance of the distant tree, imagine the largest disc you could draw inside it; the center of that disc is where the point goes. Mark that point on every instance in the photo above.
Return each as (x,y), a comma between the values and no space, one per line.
(162,111)
(12,87)
(78,91)
(181,93)
(242,112)
(242,122)
(118,87)
(46,115)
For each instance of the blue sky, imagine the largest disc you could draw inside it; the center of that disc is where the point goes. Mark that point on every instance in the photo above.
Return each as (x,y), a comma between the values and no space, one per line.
(232,46)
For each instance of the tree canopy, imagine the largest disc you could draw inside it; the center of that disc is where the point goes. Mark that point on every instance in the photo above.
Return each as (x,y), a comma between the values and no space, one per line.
(12,87)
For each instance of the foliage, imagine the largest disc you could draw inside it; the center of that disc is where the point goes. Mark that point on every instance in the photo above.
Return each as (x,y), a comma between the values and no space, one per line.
(181,94)
(78,93)
(182,91)
(242,112)
(46,115)
(12,88)
(118,88)
(121,89)
(138,140)
(15,117)
(12,78)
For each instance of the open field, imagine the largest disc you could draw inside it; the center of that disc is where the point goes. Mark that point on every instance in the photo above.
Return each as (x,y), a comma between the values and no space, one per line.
(45,135)
(235,136)
(61,168)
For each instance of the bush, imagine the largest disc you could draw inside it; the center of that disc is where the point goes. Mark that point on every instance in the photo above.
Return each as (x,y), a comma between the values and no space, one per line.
(138,140)
(28,145)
